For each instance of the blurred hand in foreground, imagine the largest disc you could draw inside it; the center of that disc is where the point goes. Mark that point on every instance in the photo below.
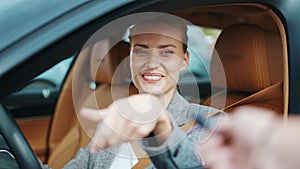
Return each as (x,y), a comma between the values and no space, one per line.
(253,138)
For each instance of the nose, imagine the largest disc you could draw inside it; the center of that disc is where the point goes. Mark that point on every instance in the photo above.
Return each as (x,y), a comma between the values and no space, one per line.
(153,60)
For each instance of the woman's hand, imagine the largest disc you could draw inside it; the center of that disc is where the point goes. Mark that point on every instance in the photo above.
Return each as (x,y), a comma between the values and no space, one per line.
(128,119)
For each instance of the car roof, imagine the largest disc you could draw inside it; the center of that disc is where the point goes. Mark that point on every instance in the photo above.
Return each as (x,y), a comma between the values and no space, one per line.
(19,18)
(27,28)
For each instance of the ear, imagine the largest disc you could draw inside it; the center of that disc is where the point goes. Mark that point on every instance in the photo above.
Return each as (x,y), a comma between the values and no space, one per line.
(185,61)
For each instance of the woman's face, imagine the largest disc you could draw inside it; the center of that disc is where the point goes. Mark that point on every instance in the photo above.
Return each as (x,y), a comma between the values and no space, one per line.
(156,61)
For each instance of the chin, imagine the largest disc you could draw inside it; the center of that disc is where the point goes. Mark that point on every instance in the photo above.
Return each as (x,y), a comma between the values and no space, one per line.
(153,91)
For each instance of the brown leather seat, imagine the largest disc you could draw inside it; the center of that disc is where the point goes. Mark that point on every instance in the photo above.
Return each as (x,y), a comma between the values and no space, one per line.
(113,79)
(246,60)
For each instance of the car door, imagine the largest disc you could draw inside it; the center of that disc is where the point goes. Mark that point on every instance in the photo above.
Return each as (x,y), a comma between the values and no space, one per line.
(30,48)
(33,105)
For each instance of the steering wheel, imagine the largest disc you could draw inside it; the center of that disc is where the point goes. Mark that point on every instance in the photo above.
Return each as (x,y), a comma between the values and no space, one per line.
(16,141)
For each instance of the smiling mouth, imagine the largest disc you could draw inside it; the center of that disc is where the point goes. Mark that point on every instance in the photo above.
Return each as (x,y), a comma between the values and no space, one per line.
(152,77)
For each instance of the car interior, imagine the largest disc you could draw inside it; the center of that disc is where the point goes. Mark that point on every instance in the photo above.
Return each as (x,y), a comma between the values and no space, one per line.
(259,63)
(247,57)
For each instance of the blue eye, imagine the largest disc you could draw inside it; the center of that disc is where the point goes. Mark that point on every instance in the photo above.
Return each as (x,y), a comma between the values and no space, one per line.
(166,52)
(140,52)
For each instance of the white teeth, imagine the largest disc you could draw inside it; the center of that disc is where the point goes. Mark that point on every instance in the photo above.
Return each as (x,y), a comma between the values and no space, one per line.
(152,77)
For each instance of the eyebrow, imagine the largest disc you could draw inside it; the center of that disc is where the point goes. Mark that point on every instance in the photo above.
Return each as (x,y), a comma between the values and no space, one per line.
(141,45)
(160,47)
(166,46)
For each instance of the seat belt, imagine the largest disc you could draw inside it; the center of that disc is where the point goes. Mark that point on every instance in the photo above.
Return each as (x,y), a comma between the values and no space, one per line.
(271,92)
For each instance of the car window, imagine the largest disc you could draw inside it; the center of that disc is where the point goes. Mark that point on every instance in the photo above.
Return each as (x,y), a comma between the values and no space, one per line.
(57,73)
(200,49)
(196,77)
(39,96)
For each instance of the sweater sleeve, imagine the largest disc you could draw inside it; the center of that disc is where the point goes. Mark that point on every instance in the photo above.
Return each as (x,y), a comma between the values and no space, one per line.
(81,160)
(177,152)
(86,160)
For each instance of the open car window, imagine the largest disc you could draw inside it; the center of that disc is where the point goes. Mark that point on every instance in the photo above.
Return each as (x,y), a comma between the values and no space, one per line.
(196,77)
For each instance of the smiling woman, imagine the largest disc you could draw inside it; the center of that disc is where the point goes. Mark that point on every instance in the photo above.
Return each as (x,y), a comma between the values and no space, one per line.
(158,53)
(150,52)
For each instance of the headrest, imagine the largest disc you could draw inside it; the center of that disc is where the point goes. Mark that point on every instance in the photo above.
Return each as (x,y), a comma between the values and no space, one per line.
(114,67)
(251,58)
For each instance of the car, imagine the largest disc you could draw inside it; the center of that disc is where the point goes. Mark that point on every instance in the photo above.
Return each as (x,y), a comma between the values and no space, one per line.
(43,44)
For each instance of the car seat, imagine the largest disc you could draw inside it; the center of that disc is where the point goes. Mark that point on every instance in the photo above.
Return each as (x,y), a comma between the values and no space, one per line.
(246,60)
(101,85)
